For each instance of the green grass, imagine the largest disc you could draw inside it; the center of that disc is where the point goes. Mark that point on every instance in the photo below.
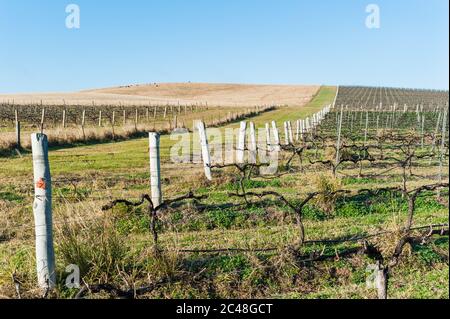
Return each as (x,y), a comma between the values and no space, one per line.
(117,246)
(11,196)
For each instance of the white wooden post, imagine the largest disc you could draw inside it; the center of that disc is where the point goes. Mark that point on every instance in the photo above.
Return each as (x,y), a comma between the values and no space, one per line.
(276,137)
(338,144)
(418,114)
(436,131)
(136,119)
(64,119)
(335,98)
(155,169)
(240,153)
(113,122)
(291,136)
(42,119)
(42,209)
(83,121)
(302,129)
(252,146)
(442,151)
(100,119)
(205,149)
(18,143)
(175,122)
(423,131)
(268,142)
(286,133)
(367,128)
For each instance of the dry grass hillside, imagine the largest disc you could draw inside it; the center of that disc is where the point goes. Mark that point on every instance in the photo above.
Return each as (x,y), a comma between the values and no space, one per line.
(219,94)
(184,93)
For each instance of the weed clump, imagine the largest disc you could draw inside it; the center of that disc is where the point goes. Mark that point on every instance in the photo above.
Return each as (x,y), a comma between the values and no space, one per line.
(98,250)
(327,186)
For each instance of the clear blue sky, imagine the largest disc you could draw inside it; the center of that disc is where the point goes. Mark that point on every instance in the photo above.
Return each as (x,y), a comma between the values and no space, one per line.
(239,41)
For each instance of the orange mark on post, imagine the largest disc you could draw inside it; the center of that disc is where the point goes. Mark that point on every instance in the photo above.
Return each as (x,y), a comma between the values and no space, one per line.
(41,184)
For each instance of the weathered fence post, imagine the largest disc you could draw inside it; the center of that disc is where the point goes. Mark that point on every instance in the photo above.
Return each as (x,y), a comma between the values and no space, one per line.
(64,119)
(42,209)
(423,132)
(136,119)
(381,281)
(291,135)
(338,144)
(286,133)
(155,169)
(100,119)
(442,150)
(302,130)
(113,122)
(175,122)
(205,149)
(252,146)
(436,131)
(83,122)
(18,143)
(268,142)
(240,153)
(367,128)
(308,125)
(276,137)
(42,120)
(335,98)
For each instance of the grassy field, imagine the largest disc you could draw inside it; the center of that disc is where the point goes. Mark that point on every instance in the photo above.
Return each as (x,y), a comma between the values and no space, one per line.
(116,246)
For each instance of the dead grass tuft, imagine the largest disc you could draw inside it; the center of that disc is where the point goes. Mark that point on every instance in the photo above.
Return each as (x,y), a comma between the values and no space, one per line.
(327,185)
